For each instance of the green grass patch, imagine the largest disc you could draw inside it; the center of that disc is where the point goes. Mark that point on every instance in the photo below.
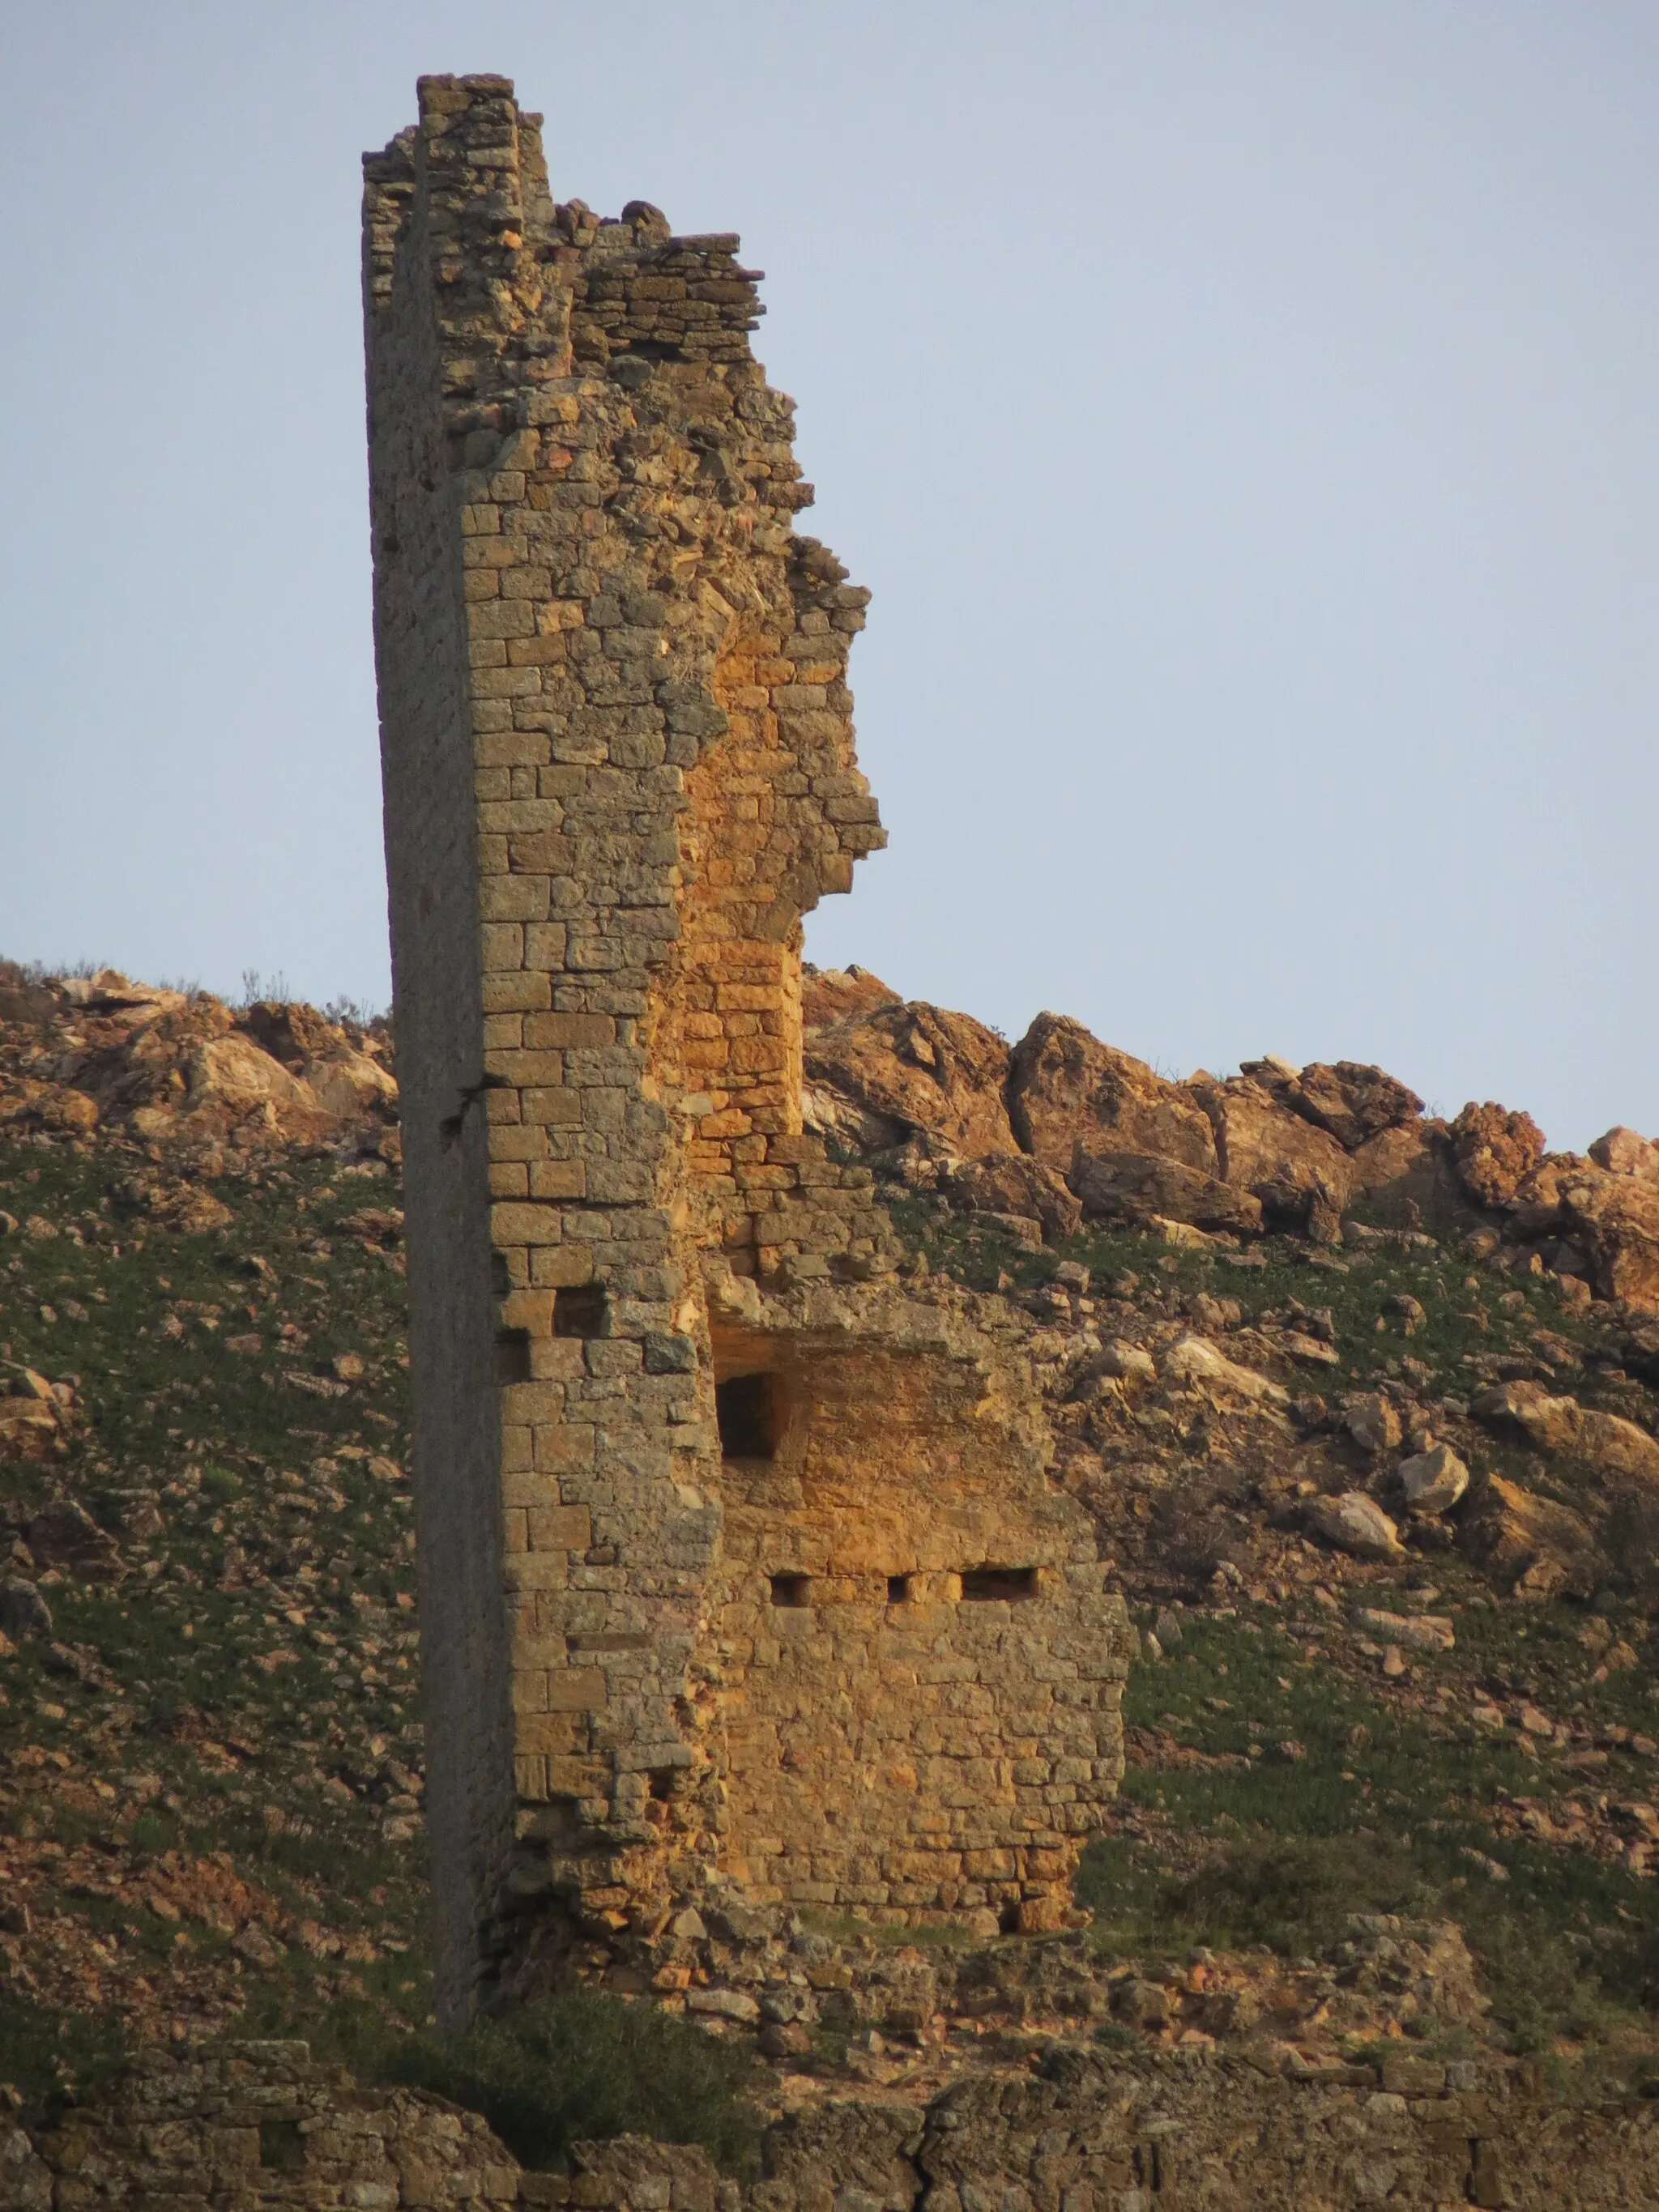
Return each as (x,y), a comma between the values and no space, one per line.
(1379,1815)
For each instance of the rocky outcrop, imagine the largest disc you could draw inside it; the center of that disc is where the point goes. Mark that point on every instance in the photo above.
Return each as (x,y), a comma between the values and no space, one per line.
(1351,1101)
(1615,1219)
(1141,1187)
(1494,1151)
(1015,1187)
(906,1069)
(1275,1147)
(1622,1151)
(1297,1172)
(1068,1093)
(36,1416)
(184,1071)
(828,995)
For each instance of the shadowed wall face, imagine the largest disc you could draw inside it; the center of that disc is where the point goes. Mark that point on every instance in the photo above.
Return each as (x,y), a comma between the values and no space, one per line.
(618,767)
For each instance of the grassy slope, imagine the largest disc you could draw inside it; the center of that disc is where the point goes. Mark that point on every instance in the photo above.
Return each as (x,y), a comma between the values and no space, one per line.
(248,1692)
(209,1781)
(1390,1785)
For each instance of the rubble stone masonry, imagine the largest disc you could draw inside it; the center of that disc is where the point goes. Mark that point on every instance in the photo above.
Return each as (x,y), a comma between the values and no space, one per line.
(257,2124)
(743,1576)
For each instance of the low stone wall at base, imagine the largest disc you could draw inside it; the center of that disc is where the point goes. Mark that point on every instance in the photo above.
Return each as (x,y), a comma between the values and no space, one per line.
(256,2126)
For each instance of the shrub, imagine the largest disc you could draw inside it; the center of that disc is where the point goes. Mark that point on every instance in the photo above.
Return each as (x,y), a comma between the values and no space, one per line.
(582,2064)
(51,2059)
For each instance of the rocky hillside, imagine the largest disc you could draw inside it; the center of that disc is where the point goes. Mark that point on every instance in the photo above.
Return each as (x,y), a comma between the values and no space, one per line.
(1361,1399)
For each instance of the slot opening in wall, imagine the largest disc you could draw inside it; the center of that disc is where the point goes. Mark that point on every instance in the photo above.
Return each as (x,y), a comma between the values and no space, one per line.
(748,1412)
(792,1589)
(981,1585)
(898,1590)
(512,1355)
(578,1309)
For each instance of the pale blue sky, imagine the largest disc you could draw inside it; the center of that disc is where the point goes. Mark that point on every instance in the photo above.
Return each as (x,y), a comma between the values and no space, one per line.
(1244,416)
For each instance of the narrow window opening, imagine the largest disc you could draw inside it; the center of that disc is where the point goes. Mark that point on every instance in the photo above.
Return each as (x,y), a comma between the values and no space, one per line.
(791,1589)
(579,1310)
(512,1356)
(981,1584)
(282,2146)
(898,1590)
(746,1410)
(663,1779)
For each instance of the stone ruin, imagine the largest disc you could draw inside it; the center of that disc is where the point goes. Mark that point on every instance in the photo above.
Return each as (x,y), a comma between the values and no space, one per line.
(744,1582)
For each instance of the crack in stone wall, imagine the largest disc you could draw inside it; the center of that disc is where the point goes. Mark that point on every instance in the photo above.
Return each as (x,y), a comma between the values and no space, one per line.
(618,766)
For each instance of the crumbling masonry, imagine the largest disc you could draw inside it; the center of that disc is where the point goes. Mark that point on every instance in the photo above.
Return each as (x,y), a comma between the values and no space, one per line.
(743,1578)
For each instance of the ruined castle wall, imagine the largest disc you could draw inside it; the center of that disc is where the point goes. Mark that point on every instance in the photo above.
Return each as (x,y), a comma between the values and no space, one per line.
(921,1673)
(1185,2131)
(421,651)
(619,768)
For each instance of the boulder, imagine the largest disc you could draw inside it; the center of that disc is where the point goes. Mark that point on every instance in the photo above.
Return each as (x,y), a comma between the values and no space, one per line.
(1494,1149)
(1195,1361)
(1615,1219)
(1621,1151)
(1406,1175)
(28,1430)
(1372,1421)
(1605,1443)
(1536,1207)
(1353,1102)
(1143,1188)
(64,1535)
(110,990)
(1299,1174)
(1066,1089)
(342,1079)
(1354,1523)
(23,1611)
(1013,1183)
(352,1085)
(176,1069)
(1125,1362)
(141,1061)
(1540,1548)
(1141,2003)
(34,1415)
(920,1068)
(53,1106)
(1417,1632)
(1433,1480)
(828,995)
(236,1071)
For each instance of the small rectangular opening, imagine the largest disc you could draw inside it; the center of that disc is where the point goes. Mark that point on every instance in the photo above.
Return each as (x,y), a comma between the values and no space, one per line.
(578,1309)
(746,1410)
(792,1589)
(282,2146)
(512,1355)
(981,1584)
(898,1590)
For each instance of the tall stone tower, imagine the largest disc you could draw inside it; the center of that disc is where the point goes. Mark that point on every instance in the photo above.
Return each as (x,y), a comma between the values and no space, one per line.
(741,1574)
